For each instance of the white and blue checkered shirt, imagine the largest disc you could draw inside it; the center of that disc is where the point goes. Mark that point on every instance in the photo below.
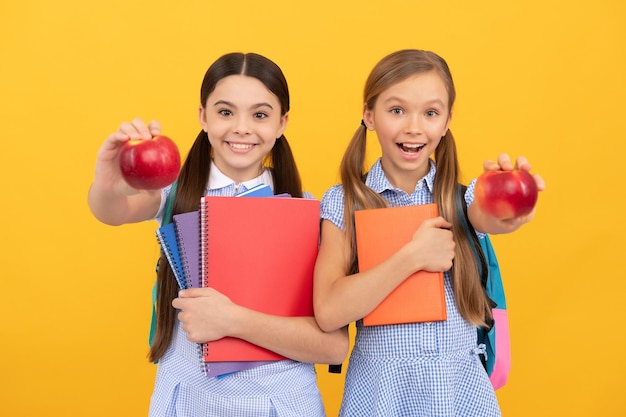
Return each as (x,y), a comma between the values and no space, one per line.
(416,369)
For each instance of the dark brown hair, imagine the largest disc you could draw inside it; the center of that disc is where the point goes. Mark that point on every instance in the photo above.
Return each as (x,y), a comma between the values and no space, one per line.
(194,174)
(471,299)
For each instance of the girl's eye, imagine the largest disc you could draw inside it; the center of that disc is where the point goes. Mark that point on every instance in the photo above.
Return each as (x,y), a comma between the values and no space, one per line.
(260,115)
(431,113)
(225,112)
(396,110)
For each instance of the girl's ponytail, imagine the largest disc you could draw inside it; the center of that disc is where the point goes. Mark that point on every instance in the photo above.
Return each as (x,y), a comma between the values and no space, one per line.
(471,300)
(192,182)
(284,169)
(357,195)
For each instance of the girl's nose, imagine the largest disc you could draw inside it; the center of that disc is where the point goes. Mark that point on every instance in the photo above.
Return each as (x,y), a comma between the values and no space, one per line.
(414,125)
(242,126)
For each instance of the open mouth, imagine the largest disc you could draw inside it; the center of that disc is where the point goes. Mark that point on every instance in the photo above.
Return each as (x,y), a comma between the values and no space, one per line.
(410,147)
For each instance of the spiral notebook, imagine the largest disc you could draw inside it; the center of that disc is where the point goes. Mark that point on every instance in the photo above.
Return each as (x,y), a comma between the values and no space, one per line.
(379,234)
(187,236)
(260,252)
(166,236)
(187,227)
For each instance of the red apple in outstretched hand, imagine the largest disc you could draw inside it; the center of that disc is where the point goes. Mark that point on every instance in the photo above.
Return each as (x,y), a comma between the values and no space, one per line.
(506,194)
(150,164)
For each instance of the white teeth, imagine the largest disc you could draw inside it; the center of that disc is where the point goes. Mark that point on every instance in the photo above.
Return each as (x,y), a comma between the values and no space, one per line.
(412,145)
(240,145)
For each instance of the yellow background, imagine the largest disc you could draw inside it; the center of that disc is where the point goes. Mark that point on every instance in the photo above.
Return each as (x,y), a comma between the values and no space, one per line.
(543,79)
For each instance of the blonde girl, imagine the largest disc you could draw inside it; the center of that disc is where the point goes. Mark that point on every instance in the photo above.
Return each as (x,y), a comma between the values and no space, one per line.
(415,369)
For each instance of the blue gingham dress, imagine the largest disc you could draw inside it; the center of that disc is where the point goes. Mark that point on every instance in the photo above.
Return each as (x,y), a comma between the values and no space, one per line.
(416,369)
(280,389)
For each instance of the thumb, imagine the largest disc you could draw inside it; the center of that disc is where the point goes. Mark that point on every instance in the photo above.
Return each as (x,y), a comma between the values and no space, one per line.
(190,293)
(440,223)
(154,127)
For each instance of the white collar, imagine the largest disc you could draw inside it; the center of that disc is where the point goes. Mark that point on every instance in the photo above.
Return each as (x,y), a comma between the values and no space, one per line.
(217,179)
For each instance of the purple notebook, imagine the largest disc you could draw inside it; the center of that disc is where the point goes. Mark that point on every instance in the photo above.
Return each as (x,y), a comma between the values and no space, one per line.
(223,369)
(188,236)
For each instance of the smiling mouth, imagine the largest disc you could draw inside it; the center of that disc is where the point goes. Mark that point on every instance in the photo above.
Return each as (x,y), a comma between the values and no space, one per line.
(240,146)
(410,147)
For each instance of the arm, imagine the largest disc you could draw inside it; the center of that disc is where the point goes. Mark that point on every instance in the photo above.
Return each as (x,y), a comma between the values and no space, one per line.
(340,299)
(209,315)
(110,198)
(485,223)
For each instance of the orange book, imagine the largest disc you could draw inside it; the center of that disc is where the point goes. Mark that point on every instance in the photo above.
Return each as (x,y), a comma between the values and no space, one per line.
(260,252)
(379,234)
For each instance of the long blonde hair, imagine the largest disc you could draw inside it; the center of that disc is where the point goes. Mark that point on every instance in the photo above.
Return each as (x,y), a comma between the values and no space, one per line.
(471,300)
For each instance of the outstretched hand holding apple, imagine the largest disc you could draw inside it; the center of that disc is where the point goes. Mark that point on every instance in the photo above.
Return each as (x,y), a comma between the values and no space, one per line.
(125,188)
(137,155)
(507,194)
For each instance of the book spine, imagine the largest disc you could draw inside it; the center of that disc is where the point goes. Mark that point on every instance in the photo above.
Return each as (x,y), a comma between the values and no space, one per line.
(204,240)
(203,348)
(180,276)
(184,259)
(165,246)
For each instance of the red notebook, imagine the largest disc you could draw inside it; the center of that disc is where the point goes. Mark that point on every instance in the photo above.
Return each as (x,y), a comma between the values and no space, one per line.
(260,252)
(379,234)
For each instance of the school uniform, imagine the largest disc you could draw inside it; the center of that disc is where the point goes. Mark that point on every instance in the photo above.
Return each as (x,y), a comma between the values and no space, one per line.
(416,369)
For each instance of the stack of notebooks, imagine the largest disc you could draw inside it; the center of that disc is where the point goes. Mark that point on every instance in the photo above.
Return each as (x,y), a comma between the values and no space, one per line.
(260,252)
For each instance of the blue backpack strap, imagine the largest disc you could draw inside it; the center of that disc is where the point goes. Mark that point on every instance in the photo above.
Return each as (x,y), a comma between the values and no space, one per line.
(477,246)
(497,340)
(487,336)
(495,292)
(484,269)
(167,218)
(497,362)
(494,287)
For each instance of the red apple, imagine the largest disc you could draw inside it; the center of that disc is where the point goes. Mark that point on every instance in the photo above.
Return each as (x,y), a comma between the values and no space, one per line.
(150,164)
(506,194)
